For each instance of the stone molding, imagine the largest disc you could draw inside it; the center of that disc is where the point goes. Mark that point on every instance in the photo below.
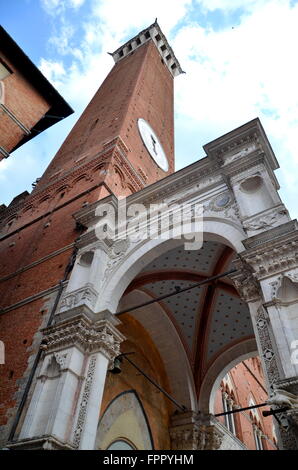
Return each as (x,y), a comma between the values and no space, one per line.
(266,220)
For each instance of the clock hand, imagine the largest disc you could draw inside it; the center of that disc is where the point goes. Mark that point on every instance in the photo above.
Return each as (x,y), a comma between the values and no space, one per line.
(153,144)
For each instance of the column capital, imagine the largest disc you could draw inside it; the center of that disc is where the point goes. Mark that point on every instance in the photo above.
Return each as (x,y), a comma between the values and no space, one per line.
(89,337)
(191,431)
(245,281)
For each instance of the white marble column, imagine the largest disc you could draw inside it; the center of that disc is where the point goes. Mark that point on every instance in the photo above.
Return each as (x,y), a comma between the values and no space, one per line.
(64,409)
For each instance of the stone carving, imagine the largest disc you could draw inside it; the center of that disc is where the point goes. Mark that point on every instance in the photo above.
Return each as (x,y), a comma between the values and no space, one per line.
(100,336)
(283,398)
(61,359)
(245,282)
(84,403)
(212,438)
(223,205)
(194,437)
(185,437)
(273,255)
(119,248)
(221,202)
(285,394)
(267,348)
(242,146)
(116,253)
(265,221)
(192,431)
(241,153)
(86,294)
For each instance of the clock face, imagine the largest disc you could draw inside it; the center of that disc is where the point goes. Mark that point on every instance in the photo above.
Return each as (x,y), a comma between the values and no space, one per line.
(153,144)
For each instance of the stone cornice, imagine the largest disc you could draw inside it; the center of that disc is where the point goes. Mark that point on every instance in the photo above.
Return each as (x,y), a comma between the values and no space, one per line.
(250,133)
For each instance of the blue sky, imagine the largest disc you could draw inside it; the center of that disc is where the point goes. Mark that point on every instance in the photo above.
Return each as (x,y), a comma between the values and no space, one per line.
(240,60)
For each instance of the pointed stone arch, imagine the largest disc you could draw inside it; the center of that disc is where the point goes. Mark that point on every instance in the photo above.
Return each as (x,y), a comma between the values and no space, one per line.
(124,419)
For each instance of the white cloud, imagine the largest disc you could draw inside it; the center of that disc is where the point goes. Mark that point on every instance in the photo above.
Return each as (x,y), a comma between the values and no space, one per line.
(61,41)
(52,70)
(230,5)
(56,7)
(4,166)
(120,16)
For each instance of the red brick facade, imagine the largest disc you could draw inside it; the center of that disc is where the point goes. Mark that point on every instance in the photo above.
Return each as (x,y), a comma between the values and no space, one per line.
(29,104)
(244,386)
(23,101)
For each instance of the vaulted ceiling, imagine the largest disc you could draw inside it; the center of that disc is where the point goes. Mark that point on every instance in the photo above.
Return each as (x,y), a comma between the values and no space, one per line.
(208,319)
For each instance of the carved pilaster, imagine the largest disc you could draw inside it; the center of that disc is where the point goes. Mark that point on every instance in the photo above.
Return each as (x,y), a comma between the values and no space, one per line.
(84,402)
(268,352)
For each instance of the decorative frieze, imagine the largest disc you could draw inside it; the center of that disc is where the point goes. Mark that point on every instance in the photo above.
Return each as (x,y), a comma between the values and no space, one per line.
(273,254)
(266,220)
(86,295)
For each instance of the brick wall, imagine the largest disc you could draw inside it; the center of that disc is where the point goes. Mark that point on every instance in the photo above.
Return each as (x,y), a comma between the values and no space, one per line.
(24,101)
(246,388)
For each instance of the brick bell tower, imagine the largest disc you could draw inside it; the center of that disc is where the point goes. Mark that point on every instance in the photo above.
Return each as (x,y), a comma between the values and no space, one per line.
(123,141)
(128,127)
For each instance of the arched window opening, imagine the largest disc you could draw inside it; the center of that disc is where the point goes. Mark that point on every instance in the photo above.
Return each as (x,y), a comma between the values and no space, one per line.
(229,404)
